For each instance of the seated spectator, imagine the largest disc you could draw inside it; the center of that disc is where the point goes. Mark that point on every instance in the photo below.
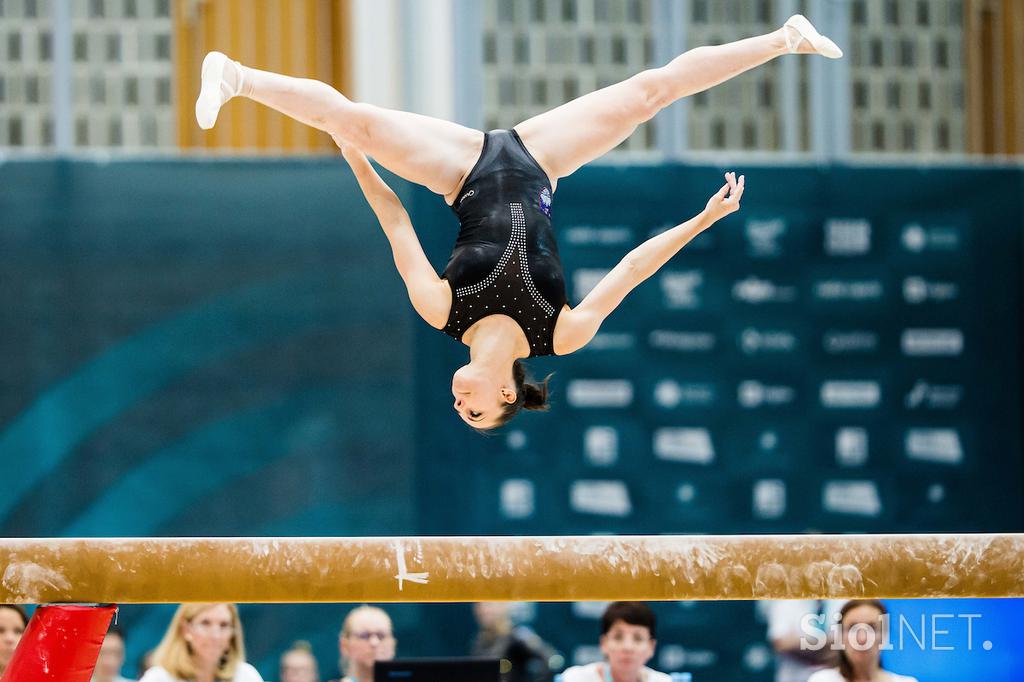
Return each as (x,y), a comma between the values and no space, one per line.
(299,665)
(628,640)
(13,621)
(790,623)
(366,637)
(860,660)
(529,656)
(111,658)
(144,664)
(203,643)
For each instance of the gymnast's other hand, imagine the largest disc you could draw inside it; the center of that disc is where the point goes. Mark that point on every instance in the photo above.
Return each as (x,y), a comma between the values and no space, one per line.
(726,200)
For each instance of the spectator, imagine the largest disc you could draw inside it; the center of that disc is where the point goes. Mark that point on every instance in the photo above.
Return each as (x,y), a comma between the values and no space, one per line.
(786,632)
(530,657)
(203,643)
(863,628)
(299,665)
(628,640)
(145,663)
(13,621)
(366,637)
(111,658)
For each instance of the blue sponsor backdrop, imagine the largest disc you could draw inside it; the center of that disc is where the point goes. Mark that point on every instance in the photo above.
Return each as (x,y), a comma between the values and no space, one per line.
(196,348)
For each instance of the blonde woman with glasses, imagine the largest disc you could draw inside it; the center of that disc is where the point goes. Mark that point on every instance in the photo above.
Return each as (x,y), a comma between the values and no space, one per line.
(202,644)
(366,637)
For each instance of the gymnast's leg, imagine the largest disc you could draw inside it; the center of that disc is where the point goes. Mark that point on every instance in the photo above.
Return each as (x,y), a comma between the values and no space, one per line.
(431,152)
(580,131)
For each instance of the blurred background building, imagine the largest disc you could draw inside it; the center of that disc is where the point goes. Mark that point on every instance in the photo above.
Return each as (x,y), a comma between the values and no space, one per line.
(202,333)
(923,78)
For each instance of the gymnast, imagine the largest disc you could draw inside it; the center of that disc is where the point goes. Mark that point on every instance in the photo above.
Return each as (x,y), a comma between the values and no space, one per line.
(502,292)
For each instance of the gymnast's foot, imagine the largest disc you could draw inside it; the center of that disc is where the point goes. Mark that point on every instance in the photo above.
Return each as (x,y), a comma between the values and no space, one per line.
(221,80)
(803,38)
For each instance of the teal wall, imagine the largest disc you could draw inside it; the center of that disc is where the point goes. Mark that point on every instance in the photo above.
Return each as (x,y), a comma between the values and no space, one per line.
(224,348)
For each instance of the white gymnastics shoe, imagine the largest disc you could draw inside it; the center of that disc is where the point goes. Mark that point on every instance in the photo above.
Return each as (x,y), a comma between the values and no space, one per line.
(221,80)
(805,31)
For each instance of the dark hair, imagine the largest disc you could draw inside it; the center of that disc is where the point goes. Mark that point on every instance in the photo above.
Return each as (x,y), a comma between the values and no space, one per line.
(20,610)
(630,612)
(845,669)
(117,631)
(530,395)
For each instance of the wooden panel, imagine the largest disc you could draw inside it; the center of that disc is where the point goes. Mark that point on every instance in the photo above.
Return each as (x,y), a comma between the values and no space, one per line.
(995,76)
(306,38)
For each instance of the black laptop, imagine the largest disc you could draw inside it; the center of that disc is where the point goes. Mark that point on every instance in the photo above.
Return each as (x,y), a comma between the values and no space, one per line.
(438,670)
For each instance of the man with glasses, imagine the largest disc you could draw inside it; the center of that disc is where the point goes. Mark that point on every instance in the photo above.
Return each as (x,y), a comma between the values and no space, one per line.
(366,637)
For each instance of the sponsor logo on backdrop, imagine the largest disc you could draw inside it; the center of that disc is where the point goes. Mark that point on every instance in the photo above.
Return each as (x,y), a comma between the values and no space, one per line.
(686,493)
(680,289)
(612,341)
(755,291)
(517,498)
(769,498)
(851,446)
(847,237)
(670,394)
(601,445)
(933,396)
(932,342)
(516,439)
(917,290)
(767,441)
(603,498)
(753,341)
(764,237)
(840,342)
(674,657)
(941,446)
(918,238)
(848,290)
(753,394)
(682,341)
(586,235)
(679,444)
(588,393)
(857,498)
(839,395)
(585,279)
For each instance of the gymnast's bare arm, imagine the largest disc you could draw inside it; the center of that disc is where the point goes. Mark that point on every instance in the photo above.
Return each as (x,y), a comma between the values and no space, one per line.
(577,326)
(430,295)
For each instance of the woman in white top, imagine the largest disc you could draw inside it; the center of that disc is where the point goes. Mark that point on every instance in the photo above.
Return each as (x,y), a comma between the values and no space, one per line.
(628,630)
(864,628)
(202,644)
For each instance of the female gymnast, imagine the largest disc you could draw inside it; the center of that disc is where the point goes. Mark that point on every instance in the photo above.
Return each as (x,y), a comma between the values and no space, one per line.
(502,292)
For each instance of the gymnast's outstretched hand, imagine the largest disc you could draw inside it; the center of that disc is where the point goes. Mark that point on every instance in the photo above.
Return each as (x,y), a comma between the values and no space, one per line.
(726,200)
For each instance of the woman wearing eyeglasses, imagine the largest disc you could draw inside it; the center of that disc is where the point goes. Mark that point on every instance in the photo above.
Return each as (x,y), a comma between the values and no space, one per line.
(366,637)
(202,644)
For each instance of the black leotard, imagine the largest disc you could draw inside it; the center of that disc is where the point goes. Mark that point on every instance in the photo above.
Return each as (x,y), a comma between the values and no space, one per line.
(505,260)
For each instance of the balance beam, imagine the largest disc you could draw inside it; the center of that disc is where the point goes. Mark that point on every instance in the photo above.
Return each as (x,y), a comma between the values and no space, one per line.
(465,569)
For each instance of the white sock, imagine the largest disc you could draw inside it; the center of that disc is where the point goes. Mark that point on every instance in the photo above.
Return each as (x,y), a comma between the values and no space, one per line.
(222,79)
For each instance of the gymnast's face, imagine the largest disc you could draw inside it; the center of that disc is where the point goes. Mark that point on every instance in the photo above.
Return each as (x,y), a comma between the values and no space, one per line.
(481,396)
(627,648)
(11,629)
(209,635)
